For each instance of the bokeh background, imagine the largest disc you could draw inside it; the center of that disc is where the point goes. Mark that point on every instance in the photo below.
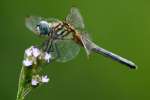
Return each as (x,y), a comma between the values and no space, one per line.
(122,26)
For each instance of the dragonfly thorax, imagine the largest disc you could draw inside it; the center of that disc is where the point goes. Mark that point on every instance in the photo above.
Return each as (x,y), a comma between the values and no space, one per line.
(62,30)
(43,28)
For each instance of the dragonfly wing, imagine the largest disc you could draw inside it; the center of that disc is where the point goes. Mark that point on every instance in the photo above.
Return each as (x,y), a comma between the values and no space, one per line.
(87,43)
(75,18)
(66,50)
(51,20)
(31,22)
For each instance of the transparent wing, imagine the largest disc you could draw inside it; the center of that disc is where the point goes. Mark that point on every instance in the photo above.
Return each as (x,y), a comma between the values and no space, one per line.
(66,50)
(75,18)
(51,20)
(31,22)
(87,42)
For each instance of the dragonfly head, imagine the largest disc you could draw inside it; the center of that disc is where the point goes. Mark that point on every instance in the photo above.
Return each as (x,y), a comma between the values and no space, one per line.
(43,28)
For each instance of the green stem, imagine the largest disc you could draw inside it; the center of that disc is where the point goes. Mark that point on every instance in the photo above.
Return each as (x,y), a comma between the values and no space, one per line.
(21,85)
(24,85)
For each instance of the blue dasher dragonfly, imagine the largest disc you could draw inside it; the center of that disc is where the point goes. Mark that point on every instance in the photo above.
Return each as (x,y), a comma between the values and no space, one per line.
(64,38)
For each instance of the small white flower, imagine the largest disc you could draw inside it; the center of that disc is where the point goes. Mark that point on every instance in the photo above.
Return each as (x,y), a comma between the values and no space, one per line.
(27,62)
(35,52)
(45,79)
(32,51)
(28,52)
(47,57)
(34,82)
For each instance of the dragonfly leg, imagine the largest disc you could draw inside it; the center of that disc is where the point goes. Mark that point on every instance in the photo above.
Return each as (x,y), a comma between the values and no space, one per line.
(50,47)
(43,45)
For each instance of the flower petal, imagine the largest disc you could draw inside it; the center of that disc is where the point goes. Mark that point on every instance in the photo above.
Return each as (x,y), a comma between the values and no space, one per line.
(34,82)
(47,57)
(36,52)
(45,79)
(27,62)
(28,52)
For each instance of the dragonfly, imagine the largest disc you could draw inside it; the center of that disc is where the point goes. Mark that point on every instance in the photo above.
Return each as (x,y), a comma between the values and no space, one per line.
(64,38)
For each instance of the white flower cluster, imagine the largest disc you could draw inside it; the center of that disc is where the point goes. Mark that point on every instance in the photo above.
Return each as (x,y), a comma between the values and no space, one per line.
(32,54)
(36,79)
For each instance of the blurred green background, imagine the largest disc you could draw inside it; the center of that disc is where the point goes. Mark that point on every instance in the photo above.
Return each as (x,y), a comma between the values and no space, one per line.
(122,26)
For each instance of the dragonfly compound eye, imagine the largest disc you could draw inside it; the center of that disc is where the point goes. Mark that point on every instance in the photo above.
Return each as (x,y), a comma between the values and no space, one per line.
(43,28)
